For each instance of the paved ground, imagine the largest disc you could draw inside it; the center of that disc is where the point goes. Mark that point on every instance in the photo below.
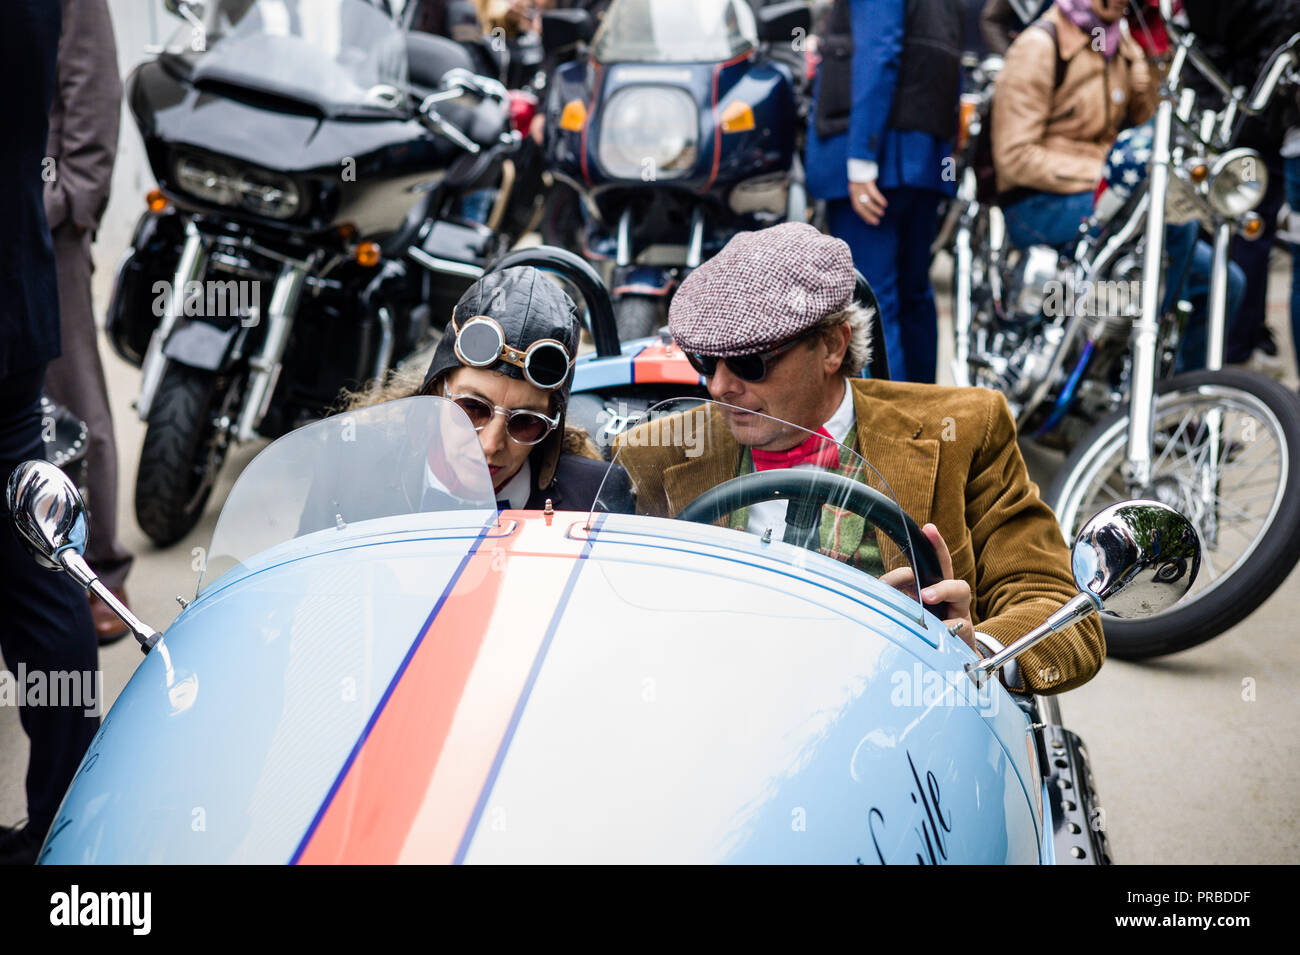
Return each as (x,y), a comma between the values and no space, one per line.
(1188,769)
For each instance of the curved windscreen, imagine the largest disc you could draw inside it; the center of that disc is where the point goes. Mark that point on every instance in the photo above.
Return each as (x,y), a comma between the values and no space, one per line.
(706,462)
(400,457)
(342,56)
(674,31)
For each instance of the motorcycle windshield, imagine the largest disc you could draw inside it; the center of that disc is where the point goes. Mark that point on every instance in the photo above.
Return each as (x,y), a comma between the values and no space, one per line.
(771,487)
(339,56)
(350,475)
(674,31)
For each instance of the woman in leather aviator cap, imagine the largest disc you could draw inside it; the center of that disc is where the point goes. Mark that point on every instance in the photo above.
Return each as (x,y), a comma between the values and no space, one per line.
(506,359)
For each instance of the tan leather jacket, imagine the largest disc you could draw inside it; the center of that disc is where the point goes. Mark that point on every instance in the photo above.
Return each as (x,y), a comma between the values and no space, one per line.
(950,457)
(1056,140)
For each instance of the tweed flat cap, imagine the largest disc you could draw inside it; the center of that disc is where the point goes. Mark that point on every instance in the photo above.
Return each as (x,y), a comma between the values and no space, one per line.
(763,287)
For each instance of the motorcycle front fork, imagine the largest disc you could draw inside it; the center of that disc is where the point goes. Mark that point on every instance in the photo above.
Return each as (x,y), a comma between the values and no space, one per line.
(264,364)
(193,261)
(1138,465)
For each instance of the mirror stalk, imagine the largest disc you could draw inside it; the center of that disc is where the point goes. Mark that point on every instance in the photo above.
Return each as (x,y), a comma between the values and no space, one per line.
(80,571)
(1079,607)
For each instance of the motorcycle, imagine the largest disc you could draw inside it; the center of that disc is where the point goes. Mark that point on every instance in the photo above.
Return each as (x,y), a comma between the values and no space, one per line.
(677,131)
(320,207)
(1084,346)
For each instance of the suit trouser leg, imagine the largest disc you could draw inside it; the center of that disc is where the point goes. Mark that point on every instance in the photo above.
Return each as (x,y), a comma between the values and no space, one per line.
(918,320)
(47,632)
(76,381)
(875,255)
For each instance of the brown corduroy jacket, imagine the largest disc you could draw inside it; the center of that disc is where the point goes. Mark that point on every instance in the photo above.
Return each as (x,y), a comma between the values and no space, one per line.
(950,457)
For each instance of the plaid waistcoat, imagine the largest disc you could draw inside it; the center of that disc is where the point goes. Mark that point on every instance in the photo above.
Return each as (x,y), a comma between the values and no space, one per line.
(843,534)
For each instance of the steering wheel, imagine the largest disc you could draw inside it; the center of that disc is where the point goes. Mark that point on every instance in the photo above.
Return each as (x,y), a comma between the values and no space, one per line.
(807,492)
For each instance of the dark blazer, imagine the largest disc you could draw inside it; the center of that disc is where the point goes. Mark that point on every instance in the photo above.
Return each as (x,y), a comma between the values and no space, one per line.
(29,301)
(577,481)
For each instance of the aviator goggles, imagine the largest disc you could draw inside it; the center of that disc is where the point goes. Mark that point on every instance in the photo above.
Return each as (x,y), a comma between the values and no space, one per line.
(481,342)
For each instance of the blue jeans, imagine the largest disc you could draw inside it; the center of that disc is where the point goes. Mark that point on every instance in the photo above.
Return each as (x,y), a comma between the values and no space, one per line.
(1292,169)
(1191,259)
(1252,257)
(1049,219)
(895,258)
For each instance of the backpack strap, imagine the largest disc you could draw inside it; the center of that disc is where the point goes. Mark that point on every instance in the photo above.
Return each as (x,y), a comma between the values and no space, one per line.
(1049,27)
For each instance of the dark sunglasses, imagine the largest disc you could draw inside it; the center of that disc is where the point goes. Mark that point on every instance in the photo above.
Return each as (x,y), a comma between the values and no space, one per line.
(752,367)
(480,342)
(523,426)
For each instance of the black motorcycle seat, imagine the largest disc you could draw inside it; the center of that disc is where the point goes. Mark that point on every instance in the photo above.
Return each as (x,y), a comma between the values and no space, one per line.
(430,57)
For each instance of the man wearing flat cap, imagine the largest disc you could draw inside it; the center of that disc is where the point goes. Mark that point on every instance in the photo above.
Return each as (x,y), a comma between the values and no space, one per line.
(771,325)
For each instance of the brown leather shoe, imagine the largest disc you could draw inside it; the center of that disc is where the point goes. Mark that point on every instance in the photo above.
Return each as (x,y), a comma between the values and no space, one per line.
(108,627)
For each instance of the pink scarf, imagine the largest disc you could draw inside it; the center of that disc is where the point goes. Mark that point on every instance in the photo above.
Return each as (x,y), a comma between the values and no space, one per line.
(1080,13)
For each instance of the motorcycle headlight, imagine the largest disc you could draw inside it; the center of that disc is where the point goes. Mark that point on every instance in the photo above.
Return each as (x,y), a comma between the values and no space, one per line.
(267,194)
(649,132)
(1238,181)
(204,180)
(261,193)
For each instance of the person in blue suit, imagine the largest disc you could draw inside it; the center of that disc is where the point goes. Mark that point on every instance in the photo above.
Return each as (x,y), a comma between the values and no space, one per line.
(879,153)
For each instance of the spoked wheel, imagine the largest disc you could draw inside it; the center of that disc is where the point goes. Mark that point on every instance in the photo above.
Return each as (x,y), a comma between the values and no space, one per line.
(1224,455)
(183,450)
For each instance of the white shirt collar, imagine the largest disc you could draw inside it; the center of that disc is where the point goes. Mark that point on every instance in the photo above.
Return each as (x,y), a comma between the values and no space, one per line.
(841,422)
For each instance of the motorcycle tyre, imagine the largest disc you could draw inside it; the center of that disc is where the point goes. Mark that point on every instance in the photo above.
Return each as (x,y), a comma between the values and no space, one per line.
(169,498)
(637,316)
(1263,571)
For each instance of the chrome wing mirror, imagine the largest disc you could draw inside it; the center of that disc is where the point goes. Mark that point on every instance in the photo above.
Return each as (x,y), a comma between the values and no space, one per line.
(50,518)
(1132,559)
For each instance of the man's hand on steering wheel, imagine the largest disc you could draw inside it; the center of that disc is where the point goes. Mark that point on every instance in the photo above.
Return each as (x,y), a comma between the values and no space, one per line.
(952,590)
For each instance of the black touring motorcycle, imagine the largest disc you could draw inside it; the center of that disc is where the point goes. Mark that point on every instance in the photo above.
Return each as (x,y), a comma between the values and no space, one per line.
(328,186)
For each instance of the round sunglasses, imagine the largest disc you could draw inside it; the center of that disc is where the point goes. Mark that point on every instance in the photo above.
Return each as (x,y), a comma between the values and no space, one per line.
(523,426)
(752,367)
(481,342)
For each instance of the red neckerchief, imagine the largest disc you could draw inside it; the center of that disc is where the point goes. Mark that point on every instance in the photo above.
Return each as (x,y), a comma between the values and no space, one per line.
(819,449)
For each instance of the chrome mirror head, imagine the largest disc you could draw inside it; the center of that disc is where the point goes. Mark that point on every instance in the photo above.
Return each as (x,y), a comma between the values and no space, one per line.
(1137,557)
(47,511)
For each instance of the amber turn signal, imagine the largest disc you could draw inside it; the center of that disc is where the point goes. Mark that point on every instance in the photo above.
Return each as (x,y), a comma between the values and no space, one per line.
(367,254)
(1198,172)
(1252,225)
(574,116)
(156,200)
(737,118)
